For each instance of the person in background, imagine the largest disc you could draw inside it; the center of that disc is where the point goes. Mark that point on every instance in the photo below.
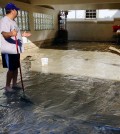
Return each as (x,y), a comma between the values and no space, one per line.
(10,32)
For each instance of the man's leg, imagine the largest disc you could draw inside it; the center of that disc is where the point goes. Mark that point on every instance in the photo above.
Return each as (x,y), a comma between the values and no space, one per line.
(15,60)
(9,77)
(15,75)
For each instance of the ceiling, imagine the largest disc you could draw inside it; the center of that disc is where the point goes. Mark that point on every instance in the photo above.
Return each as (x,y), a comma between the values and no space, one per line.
(25,1)
(75,4)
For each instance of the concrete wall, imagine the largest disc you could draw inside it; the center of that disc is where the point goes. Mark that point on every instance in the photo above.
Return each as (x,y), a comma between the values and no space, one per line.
(91,31)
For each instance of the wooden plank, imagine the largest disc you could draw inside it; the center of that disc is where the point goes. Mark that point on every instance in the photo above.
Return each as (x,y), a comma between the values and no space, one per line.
(114,49)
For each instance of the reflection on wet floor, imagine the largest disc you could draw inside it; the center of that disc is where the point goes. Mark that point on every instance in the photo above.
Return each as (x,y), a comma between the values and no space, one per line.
(74,92)
(103,65)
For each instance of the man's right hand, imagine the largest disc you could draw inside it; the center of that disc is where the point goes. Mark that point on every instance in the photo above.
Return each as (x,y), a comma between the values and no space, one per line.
(14,33)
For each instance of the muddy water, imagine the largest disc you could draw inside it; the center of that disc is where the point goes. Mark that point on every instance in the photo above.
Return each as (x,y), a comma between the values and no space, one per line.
(62,103)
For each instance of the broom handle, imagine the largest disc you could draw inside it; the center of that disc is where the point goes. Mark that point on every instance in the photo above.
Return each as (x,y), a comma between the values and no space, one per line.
(20,66)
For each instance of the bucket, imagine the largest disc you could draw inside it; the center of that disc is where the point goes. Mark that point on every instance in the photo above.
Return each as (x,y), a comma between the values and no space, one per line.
(44,61)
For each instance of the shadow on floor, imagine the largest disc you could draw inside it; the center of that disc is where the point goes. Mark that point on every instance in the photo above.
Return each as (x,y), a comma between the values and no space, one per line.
(84,46)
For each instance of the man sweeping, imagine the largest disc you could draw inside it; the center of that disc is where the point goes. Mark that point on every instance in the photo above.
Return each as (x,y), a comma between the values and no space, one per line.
(10,56)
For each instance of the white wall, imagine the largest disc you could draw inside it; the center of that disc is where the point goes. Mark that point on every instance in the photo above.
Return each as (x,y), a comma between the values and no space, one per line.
(90,31)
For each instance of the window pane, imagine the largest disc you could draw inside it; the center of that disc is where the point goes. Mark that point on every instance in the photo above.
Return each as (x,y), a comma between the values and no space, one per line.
(71,14)
(107,14)
(1,11)
(80,14)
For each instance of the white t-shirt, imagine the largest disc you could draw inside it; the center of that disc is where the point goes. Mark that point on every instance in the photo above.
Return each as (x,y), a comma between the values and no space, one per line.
(9,45)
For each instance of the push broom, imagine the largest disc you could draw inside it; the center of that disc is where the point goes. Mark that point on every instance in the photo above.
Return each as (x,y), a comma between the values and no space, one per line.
(23,97)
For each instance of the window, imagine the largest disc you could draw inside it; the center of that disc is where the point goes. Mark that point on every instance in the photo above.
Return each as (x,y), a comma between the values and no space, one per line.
(101,14)
(71,14)
(76,14)
(90,14)
(2,12)
(108,14)
(23,20)
(80,14)
(43,21)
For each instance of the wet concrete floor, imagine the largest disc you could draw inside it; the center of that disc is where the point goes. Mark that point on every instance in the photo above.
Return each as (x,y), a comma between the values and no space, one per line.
(83,46)
(73,92)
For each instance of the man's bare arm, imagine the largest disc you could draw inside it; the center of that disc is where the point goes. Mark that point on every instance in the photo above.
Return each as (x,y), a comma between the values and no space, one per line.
(9,34)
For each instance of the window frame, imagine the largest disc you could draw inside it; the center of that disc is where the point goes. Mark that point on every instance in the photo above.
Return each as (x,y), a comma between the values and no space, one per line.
(90,13)
(43,21)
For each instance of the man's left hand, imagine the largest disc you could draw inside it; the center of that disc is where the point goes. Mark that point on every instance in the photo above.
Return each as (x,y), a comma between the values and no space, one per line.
(26,34)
